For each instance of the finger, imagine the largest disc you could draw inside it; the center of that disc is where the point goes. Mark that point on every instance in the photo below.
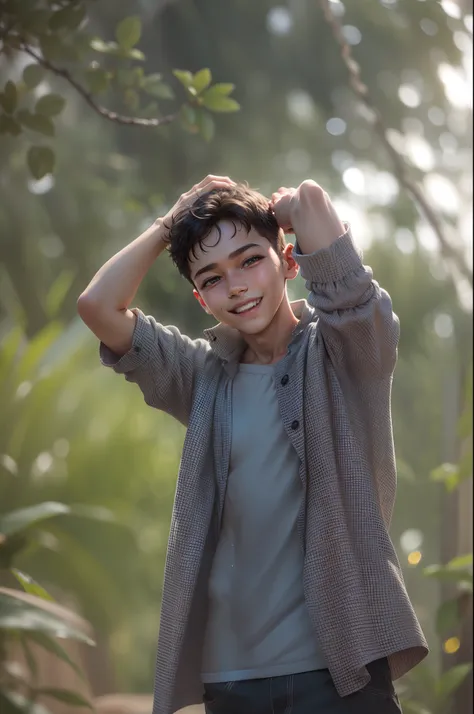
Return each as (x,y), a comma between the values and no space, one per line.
(199,190)
(211,178)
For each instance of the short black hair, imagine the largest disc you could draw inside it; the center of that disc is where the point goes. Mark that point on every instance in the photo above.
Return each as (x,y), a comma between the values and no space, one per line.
(239,204)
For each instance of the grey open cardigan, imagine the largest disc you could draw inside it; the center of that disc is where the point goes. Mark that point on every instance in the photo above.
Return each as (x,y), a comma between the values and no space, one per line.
(335,406)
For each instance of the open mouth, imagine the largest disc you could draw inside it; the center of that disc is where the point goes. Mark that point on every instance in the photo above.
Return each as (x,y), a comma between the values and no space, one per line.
(247,309)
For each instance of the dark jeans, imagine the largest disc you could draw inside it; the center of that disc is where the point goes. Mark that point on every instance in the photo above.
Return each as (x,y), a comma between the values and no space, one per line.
(306,693)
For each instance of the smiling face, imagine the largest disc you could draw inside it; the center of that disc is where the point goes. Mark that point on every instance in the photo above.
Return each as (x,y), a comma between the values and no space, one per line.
(239,278)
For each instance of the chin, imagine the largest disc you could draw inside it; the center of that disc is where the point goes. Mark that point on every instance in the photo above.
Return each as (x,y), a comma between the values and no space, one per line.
(253,327)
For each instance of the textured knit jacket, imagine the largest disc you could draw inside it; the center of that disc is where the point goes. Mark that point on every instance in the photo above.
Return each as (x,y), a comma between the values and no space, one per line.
(333,388)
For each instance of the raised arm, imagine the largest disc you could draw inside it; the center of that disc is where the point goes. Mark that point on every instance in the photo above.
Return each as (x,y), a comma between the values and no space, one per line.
(356,320)
(159,359)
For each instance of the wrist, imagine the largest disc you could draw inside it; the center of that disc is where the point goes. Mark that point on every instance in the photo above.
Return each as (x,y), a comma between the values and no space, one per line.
(160,230)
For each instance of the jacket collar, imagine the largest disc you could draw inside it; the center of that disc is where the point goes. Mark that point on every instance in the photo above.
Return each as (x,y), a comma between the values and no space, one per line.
(228,344)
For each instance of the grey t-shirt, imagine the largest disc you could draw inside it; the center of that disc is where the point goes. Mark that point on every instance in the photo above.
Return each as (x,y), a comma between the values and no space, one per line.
(258,624)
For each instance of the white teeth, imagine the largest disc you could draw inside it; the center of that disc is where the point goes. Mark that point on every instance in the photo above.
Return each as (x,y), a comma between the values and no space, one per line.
(248,306)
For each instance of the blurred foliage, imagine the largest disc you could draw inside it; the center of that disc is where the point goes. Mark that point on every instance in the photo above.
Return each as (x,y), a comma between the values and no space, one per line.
(55,34)
(72,433)
(426,689)
(27,622)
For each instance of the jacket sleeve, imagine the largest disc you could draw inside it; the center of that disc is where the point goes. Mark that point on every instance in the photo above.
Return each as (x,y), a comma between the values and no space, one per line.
(163,363)
(356,320)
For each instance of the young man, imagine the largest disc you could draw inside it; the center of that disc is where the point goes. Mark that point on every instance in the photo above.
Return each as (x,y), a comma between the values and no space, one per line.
(283,592)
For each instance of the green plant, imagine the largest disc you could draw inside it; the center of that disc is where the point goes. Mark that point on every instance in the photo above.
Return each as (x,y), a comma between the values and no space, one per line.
(57,37)
(426,691)
(28,622)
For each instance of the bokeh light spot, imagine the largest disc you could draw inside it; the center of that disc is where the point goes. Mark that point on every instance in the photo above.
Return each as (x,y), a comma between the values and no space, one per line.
(443,325)
(354,180)
(352,34)
(414,557)
(412,538)
(300,107)
(279,21)
(337,8)
(409,95)
(452,645)
(406,243)
(336,126)
(451,8)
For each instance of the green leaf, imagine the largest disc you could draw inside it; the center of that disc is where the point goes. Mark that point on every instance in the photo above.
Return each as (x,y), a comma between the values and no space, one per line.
(131,99)
(188,119)
(447,574)
(221,89)
(18,615)
(33,74)
(153,85)
(447,474)
(128,32)
(58,291)
(131,54)
(41,160)
(8,125)
(9,98)
(218,102)
(202,80)
(31,586)
(206,125)
(50,104)
(97,79)
(93,513)
(66,696)
(107,48)
(22,519)
(36,122)
(185,77)
(448,617)
(14,703)
(150,111)
(452,680)
(69,17)
(50,644)
(112,48)
(461,561)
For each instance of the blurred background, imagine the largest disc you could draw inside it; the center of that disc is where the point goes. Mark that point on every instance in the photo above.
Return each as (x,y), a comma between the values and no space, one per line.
(87,471)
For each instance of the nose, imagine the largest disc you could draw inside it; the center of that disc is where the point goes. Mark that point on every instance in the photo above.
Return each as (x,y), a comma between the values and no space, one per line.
(236,290)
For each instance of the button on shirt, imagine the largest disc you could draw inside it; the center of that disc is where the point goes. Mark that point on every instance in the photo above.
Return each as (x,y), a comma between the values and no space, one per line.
(258,624)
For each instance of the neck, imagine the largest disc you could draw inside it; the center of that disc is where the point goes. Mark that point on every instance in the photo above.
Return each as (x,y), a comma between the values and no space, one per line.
(271,345)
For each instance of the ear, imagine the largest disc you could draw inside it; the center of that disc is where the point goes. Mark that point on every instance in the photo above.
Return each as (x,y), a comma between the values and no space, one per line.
(290,266)
(201,301)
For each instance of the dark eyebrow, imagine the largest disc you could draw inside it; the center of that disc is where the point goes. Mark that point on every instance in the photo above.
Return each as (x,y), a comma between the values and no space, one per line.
(234,254)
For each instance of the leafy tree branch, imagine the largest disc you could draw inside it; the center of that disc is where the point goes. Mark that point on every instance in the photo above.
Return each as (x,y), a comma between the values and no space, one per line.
(55,35)
(88,97)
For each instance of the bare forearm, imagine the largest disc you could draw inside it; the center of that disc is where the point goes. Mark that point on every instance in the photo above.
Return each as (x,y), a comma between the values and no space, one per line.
(114,286)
